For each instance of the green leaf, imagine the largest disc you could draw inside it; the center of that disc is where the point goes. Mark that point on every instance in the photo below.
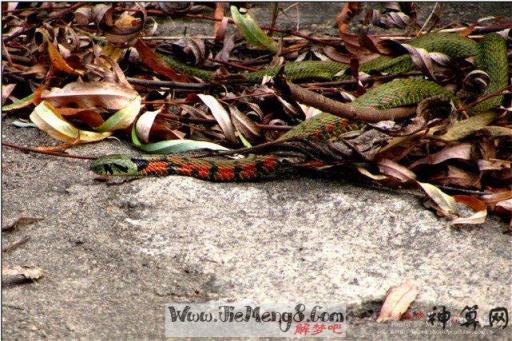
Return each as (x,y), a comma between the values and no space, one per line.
(25,101)
(123,118)
(252,31)
(173,146)
(244,141)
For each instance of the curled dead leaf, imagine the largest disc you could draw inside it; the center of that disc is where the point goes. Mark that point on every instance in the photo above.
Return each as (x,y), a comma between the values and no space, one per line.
(460,151)
(421,59)
(446,205)
(151,60)
(349,11)
(59,63)
(103,95)
(398,299)
(244,125)
(395,170)
(221,115)
(454,176)
(477,205)
(144,124)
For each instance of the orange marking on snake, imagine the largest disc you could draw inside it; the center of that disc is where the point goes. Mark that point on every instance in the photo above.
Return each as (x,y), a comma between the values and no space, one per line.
(270,163)
(156,167)
(203,171)
(248,171)
(225,173)
(185,169)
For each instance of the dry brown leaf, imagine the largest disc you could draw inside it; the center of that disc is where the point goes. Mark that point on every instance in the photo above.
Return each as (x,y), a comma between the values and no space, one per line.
(455,176)
(476,205)
(244,125)
(398,299)
(58,61)
(227,46)
(144,125)
(221,115)
(83,16)
(494,164)
(395,170)
(497,197)
(349,10)
(372,176)
(339,57)
(219,27)
(151,60)
(461,151)
(421,59)
(446,205)
(498,131)
(6,91)
(506,204)
(102,95)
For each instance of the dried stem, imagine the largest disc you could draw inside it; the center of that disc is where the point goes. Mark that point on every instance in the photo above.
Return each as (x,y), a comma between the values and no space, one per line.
(47,152)
(168,84)
(499,92)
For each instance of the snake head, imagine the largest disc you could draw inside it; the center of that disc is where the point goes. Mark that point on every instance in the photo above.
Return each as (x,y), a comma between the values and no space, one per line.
(114,165)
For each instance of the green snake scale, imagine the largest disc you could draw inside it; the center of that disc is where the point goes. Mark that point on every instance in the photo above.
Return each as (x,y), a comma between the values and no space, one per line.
(450,44)
(490,55)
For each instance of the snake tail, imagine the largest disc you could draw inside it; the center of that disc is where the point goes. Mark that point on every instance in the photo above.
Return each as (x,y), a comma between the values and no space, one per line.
(211,169)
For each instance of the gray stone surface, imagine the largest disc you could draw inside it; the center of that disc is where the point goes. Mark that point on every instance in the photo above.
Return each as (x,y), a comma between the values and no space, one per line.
(114,254)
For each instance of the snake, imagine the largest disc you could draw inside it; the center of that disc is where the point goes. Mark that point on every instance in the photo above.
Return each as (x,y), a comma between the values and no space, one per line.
(491,57)
(453,45)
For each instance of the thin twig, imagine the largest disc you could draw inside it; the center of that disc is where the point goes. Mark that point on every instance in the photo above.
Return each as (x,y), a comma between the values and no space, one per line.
(17,34)
(275,13)
(432,19)
(500,92)
(169,84)
(7,54)
(47,152)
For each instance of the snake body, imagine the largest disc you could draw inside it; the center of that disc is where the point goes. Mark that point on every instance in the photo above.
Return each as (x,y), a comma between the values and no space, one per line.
(450,44)
(491,58)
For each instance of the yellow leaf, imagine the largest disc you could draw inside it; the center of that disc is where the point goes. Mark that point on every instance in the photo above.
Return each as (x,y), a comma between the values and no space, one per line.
(47,119)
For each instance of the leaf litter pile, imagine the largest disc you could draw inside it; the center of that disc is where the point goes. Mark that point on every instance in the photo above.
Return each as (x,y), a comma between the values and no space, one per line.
(84,72)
